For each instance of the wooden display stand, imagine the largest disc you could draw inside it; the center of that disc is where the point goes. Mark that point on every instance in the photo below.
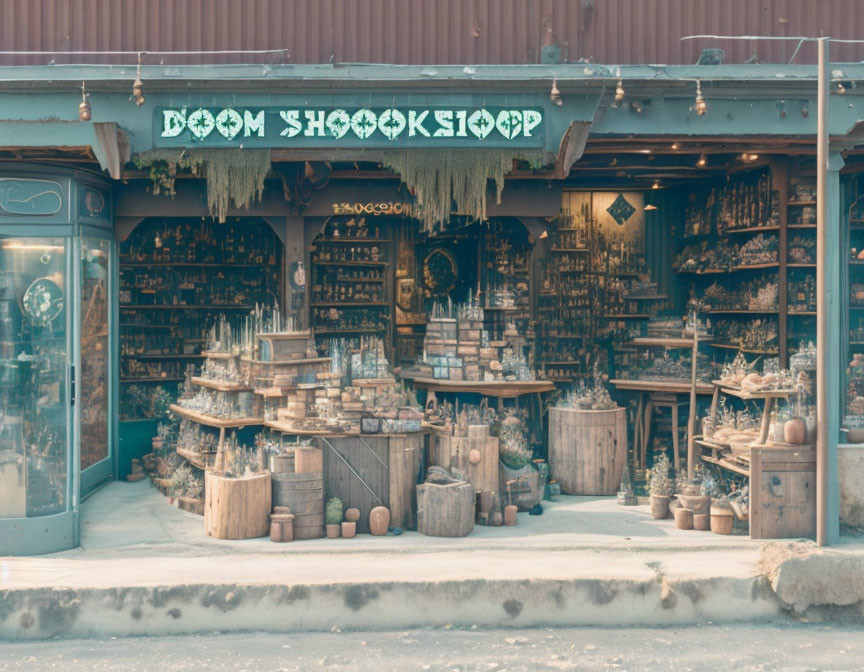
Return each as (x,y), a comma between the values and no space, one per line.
(370,470)
(445,510)
(475,455)
(236,508)
(587,449)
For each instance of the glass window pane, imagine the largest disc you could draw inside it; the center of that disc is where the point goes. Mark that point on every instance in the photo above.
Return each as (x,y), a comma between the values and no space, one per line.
(33,368)
(93,385)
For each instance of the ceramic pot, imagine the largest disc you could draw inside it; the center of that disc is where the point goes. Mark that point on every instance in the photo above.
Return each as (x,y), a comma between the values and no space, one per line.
(349,529)
(795,431)
(276,532)
(352,516)
(510,514)
(379,520)
(333,531)
(659,507)
(684,518)
(701,522)
(855,435)
(722,520)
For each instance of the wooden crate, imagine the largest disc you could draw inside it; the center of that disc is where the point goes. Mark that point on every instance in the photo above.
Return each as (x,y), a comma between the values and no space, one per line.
(389,465)
(475,455)
(587,449)
(782,492)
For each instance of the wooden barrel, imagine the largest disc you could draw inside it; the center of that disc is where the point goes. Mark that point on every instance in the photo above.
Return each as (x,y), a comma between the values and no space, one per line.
(304,495)
(308,460)
(587,449)
(283,463)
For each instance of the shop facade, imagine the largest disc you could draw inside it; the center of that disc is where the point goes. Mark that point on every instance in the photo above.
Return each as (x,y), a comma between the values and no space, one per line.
(113,288)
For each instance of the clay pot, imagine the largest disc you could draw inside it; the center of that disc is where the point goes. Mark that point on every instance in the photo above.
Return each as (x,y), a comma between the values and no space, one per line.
(855,435)
(699,503)
(701,522)
(795,431)
(722,520)
(379,520)
(497,519)
(349,529)
(510,514)
(333,531)
(276,532)
(281,510)
(659,507)
(352,516)
(285,524)
(684,519)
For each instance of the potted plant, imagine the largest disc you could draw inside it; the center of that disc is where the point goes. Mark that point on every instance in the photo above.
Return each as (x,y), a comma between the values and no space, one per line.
(333,517)
(661,487)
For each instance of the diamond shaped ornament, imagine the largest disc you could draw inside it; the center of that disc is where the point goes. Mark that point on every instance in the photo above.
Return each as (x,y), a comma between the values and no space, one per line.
(621,210)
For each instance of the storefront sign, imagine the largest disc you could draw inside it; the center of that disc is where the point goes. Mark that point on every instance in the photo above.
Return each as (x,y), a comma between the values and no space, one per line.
(358,127)
(374,209)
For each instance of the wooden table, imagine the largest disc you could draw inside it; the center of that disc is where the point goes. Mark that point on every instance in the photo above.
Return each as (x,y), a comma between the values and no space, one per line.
(656,394)
(499,389)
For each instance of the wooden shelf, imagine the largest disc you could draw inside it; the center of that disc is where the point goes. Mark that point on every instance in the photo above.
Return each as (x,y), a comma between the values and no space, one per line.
(749,351)
(753,229)
(569,249)
(286,362)
(749,396)
(210,421)
(348,240)
(132,325)
(756,267)
(664,342)
(735,311)
(800,265)
(726,465)
(796,203)
(167,356)
(351,263)
(189,264)
(197,460)
(318,332)
(647,297)
(352,304)
(178,306)
(800,226)
(151,380)
(802,313)
(661,386)
(704,271)
(218,385)
(627,317)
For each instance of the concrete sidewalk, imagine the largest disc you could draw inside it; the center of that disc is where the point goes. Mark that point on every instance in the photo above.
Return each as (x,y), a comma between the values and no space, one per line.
(147,568)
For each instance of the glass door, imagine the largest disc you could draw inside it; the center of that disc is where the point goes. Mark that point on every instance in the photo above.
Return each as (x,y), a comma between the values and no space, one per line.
(95,357)
(35,428)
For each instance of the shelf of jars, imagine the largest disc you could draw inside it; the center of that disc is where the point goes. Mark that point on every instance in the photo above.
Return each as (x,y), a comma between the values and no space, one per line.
(351,287)
(177,277)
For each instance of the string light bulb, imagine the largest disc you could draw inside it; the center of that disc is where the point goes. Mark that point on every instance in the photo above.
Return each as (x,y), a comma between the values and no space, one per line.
(675,146)
(619,91)
(85,112)
(840,88)
(555,94)
(138,86)
(701,106)
(656,184)
(702,161)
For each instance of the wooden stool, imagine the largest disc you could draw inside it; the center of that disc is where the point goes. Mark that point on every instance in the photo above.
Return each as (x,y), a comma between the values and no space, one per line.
(660,400)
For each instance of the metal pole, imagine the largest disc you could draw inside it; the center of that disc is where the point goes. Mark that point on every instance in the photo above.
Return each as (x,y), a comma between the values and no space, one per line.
(822,326)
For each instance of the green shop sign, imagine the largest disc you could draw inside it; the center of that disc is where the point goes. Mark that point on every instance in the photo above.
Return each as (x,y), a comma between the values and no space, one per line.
(363,127)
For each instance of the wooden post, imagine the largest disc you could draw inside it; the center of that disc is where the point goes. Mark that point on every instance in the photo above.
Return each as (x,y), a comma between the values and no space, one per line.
(691,417)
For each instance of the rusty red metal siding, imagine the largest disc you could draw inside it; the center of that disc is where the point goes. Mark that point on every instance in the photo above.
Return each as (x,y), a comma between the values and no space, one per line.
(423,31)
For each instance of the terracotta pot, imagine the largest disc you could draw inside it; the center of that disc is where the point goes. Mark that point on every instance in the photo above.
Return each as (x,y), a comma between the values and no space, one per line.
(497,519)
(722,520)
(379,520)
(510,514)
(699,503)
(855,435)
(684,519)
(276,532)
(701,522)
(349,529)
(333,531)
(659,507)
(795,431)
(352,516)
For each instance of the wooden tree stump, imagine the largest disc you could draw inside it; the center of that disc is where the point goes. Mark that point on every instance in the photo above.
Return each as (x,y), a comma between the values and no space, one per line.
(236,508)
(445,510)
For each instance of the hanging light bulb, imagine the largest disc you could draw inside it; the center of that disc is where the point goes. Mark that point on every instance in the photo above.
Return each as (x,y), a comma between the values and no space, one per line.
(138,86)
(701,106)
(555,94)
(840,88)
(674,146)
(656,184)
(85,112)
(703,161)
(619,91)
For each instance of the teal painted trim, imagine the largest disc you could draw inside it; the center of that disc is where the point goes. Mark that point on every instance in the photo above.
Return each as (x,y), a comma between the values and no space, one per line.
(37,536)
(362,74)
(836,303)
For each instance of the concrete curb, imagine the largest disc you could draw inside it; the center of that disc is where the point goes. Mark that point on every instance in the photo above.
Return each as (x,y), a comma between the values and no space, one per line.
(38,613)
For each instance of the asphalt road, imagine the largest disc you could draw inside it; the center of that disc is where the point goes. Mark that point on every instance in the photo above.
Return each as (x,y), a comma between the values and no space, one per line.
(708,647)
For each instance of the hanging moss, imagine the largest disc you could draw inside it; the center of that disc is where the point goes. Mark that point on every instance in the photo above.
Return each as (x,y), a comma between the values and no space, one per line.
(440,177)
(234,176)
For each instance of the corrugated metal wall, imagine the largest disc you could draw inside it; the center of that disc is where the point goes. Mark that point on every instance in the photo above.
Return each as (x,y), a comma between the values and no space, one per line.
(424,31)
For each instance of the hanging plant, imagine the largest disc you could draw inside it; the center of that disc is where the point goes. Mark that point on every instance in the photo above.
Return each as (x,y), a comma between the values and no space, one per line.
(234,176)
(440,177)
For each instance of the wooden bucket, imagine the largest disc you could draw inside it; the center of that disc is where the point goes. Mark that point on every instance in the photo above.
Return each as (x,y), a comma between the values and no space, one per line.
(309,525)
(304,495)
(236,508)
(587,449)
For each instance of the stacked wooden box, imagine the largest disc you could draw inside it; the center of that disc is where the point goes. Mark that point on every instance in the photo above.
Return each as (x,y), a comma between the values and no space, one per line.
(454,351)
(475,455)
